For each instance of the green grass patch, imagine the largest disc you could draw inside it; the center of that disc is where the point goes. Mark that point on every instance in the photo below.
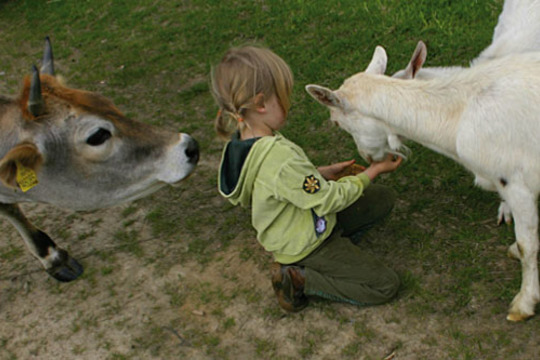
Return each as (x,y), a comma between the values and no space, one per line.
(153,60)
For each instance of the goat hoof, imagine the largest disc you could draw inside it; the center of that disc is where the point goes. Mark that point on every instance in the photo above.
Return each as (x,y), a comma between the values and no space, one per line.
(516,317)
(513,252)
(66,268)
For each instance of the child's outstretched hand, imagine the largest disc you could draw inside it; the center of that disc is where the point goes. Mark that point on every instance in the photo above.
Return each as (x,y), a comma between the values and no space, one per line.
(389,164)
(341,169)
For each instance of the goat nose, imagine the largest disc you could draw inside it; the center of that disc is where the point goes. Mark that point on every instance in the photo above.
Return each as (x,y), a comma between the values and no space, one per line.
(192,151)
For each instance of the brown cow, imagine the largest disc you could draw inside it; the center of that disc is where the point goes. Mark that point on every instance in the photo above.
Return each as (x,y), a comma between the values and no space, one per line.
(76,150)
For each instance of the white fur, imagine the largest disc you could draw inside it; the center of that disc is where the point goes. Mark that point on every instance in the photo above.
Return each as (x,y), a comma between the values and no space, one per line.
(517,31)
(463,116)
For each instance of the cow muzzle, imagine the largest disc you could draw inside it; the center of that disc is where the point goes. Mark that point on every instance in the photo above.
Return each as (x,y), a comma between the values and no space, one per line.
(192,151)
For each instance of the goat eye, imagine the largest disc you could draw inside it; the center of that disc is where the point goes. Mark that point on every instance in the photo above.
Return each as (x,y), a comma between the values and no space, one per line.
(99,137)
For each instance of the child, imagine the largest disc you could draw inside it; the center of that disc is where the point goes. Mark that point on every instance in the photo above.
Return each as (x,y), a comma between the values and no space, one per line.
(302,214)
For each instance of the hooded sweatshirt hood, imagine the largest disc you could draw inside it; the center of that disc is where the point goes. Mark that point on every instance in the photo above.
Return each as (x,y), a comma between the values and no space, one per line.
(241,161)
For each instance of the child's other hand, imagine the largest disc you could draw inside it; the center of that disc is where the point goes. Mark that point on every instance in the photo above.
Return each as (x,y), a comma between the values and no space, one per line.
(339,170)
(389,164)
(350,170)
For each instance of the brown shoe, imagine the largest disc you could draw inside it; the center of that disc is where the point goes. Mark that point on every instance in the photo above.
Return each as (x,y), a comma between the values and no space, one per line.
(288,283)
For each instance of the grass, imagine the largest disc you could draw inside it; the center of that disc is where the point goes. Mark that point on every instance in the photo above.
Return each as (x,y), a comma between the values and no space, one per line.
(153,59)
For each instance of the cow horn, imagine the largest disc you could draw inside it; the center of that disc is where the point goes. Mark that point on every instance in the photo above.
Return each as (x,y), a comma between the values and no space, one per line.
(47,65)
(35,100)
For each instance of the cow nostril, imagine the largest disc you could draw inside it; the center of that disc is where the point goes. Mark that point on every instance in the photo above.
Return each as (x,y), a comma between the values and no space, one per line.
(192,151)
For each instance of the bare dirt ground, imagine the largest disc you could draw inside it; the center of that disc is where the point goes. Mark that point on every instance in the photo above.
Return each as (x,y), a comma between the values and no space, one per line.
(149,297)
(179,275)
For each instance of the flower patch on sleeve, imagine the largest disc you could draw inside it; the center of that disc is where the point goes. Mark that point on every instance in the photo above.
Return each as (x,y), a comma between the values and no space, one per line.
(311,184)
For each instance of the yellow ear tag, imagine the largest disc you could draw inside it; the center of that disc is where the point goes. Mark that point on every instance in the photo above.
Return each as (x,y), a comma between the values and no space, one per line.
(26,177)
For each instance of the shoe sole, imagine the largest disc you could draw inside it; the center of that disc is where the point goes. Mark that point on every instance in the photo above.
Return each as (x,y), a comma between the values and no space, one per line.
(284,289)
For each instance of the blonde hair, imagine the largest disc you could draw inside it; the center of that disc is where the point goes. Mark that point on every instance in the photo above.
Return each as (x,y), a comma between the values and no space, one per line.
(242,74)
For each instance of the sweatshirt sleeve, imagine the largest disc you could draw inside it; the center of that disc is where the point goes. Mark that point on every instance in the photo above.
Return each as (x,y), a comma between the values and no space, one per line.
(300,183)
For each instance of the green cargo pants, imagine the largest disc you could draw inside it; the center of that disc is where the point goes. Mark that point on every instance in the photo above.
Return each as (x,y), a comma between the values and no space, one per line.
(339,270)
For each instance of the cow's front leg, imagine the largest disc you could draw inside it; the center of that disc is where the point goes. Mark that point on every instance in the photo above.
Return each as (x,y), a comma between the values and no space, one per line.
(523,205)
(55,260)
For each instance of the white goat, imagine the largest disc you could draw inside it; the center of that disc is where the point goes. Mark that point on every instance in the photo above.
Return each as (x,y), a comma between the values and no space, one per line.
(487,118)
(517,31)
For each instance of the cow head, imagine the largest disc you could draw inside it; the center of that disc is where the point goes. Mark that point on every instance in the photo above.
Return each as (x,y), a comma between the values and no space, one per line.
(77,150)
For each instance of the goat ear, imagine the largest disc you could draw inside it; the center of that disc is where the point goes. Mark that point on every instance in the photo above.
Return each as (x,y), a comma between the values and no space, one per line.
(417,60)
(324,96)
(378,62)
(19,166)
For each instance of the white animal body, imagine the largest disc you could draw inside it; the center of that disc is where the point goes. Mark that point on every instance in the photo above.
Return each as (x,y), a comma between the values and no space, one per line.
(517,31)
(74,149)
(487,118)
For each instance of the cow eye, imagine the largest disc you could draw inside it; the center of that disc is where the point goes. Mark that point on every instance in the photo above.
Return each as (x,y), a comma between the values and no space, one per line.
(99,137)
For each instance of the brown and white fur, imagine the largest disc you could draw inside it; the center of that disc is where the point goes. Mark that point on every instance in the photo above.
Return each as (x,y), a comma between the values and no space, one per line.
(85,153)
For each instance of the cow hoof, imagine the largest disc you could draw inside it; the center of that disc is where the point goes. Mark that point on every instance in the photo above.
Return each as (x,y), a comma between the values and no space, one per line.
(65,268)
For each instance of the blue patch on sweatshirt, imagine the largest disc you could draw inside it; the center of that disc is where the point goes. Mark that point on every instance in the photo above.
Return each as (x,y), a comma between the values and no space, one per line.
(319,223)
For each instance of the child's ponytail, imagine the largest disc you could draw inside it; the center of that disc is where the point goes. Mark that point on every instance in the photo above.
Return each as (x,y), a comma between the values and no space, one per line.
(242,74)
(227,122)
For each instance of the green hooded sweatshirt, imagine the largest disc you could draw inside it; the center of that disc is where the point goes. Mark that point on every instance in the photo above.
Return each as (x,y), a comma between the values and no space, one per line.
(293,207)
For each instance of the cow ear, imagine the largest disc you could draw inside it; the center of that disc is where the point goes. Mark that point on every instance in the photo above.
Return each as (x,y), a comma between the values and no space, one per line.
(19,167)
(324,95)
